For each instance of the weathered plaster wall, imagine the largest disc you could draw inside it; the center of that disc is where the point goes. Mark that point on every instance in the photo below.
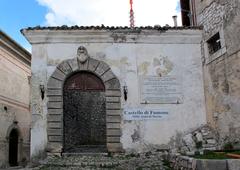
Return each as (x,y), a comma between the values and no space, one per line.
(38,106)
(176,53)
(221,71)
(14,74)
(14,103)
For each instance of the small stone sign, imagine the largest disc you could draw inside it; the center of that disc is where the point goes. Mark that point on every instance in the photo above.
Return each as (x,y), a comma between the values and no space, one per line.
(144,114)
(165,90)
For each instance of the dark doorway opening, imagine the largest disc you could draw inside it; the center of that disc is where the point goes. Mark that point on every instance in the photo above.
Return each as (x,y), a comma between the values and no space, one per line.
(84,107)
(13,148)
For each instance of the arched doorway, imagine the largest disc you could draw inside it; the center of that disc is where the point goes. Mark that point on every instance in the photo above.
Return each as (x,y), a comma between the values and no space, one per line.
(84,118)
(13,147)
(55,90)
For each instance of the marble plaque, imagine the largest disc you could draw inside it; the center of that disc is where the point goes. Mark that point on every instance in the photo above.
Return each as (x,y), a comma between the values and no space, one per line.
(144,114)
(165,90)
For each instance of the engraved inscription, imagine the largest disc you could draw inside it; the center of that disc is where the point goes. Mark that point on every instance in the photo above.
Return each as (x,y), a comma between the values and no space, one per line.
(166,90)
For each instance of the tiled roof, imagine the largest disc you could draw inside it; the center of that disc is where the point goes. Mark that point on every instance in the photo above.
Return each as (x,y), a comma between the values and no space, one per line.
(102,27)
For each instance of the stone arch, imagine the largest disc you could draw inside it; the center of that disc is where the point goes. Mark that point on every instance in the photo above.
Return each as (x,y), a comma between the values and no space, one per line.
(14,127)
(55,101)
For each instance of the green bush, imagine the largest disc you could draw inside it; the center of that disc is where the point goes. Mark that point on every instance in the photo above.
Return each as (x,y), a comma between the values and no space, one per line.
(228,146)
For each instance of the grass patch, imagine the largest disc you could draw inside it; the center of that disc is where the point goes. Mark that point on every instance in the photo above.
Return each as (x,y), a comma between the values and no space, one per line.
(215,155)
(212,155)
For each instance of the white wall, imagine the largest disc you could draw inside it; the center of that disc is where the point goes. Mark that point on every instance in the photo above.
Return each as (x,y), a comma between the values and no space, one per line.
(129,59)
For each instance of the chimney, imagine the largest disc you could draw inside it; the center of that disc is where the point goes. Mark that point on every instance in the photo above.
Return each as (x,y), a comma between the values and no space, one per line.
(175,20)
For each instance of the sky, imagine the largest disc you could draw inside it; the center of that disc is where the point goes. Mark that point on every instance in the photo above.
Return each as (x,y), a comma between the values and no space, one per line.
(18,14)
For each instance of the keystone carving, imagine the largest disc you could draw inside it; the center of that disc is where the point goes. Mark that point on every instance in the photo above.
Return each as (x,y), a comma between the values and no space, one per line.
(82,54)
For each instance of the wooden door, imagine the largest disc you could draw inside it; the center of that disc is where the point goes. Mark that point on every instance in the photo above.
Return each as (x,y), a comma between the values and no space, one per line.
(84,113)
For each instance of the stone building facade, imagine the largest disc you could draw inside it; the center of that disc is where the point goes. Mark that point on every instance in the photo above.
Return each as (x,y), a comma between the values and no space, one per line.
(221,60)
(15,115)
(148,82)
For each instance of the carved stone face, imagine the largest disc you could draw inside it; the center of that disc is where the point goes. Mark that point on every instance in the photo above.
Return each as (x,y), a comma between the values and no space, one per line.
(82,54)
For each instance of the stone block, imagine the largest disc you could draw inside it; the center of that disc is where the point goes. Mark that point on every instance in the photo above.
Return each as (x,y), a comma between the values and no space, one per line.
(113,125)
(233,164)
(113,99)
(54,154)
(54,92)
(114,132)
(113,93)
(92,64)
(211,165)
(57,74)
(199,136)
(211,141)
(55,99)
(54,83)
(113,119)
(55,111)
(102,68)
(189,140)
(54,147)
(112,84)
(113,106)
(113,139)
(65,68)
(55,105)
(55,138)
(210,148)
(83,66)
(73,64)
(113,112)
(114,147)
(108,76)
(54,132)
(54,118)
(54,125)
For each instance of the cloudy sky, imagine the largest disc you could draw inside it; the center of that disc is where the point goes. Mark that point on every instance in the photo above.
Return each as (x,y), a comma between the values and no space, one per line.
(109,12)
(18,14)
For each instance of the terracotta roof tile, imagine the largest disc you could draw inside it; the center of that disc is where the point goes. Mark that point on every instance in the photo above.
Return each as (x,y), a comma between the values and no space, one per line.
(102,27)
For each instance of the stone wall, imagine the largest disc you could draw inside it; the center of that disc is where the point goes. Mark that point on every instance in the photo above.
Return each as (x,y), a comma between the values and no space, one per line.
(178,162)
(198,140)
(221,69)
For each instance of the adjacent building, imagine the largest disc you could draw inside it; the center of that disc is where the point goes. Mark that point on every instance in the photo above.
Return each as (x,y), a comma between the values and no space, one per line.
(221,63)
(15,115)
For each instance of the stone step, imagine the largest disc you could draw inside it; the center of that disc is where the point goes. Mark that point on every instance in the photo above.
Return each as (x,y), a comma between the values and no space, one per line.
(75,168)
(88,149)
(12,168)
(84,154)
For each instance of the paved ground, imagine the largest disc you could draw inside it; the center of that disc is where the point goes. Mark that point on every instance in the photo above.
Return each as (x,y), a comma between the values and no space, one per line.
(143,161)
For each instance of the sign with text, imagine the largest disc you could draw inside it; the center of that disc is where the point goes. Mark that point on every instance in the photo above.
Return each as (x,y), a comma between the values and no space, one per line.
(144,114)
(165,90)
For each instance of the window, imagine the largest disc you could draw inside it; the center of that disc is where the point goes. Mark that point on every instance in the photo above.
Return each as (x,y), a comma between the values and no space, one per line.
(214,44)
(214,47)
